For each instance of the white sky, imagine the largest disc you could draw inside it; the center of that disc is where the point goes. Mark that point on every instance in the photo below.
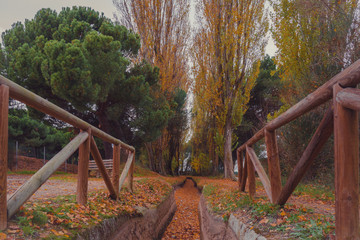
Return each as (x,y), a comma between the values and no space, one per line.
(12,11)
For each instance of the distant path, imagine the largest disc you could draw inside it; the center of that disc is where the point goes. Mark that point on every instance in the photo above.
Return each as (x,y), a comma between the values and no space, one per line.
(62,185)
(185,223)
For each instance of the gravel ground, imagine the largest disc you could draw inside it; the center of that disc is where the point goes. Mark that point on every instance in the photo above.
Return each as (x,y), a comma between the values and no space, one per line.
(52,187)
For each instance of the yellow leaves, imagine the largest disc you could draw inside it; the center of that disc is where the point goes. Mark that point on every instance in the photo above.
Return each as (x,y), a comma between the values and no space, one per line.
(282,213)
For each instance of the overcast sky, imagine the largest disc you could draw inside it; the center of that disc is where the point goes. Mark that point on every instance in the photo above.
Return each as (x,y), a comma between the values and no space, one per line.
(12,11)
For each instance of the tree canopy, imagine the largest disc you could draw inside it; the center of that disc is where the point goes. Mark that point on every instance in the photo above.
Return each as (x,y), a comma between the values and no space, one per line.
(83,62)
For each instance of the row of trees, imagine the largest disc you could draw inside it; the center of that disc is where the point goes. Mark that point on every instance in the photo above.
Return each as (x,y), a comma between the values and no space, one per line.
(96,69)
(131,77)
(315,41)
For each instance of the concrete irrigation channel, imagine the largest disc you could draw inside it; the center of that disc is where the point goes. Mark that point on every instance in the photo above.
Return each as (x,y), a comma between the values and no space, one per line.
(183,215)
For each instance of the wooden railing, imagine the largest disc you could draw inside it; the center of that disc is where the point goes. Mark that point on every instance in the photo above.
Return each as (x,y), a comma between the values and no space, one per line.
(84,142)
(341,119)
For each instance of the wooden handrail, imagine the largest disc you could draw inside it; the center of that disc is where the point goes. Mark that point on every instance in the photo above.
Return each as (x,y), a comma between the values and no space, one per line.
(348,78)
(29,98)
(23,193)
(84,141)
(343,122)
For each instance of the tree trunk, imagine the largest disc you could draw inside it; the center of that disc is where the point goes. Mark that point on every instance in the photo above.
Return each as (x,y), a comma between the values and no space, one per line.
(228,161)
(150,154)
(105,126)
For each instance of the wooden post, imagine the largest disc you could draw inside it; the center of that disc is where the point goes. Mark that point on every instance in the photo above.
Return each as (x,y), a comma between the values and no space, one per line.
(99,162)
(116,168)
(240,166)
(23,193)
(321,135)
(260,170)
(251,175)
(273,164)
(346,146)
(83,168)
(125,170)
(4,108)
(131,174)
(244,175)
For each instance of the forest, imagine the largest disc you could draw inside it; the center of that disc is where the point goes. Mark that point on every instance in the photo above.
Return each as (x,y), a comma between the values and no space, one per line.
(185,82)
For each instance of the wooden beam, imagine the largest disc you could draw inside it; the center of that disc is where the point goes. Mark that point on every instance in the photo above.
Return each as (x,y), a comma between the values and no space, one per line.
(83,171)
(24,192)
(349,98)
(321,135)
(239,156)
(346,78)
(131,174)
(251,175)
(116,168)
(244,175)
(4,106)
(126,170)
(100,164)
(29,98)
(346,146)
(257,136)
(273,164)
(260,170)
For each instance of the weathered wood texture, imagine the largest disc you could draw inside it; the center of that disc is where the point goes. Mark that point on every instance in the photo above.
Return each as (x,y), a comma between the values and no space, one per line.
(126,170)
(4,106)
(83,168)
(99,162)
(349,98)
(108,164)
(131,174)
(19,93)
(24,192)
(244,175)
(239,157)
(116,168)
(273,164)
(251,175)
(346,146)
(321,135)
(347,78)
(260,170)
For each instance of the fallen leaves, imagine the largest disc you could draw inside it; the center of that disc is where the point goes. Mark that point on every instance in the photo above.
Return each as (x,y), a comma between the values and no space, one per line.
(185,223)
(63,217)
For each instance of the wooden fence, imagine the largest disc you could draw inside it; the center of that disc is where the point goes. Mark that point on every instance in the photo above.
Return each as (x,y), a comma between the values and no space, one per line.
(341,119)
(84,142)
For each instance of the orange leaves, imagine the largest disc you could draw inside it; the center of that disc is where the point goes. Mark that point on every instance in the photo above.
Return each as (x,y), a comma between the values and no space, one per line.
(3,236)
(62,217)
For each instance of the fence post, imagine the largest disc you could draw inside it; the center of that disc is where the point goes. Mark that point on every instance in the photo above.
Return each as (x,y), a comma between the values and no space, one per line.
(240,165)
(346,136)
(131,173)
(244,175)
(4,109)
(116,168)
(251,175)
(273,164)
(83,171)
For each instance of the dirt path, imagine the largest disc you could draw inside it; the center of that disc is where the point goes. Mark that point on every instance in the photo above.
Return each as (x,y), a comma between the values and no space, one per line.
(185,223)
(62,185)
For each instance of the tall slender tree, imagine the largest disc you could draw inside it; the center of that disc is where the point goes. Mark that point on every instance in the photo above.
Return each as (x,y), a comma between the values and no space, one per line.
(229,45)
(163,27)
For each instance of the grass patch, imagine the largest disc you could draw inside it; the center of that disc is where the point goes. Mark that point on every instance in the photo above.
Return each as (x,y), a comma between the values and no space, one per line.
(319,192)
(292,221)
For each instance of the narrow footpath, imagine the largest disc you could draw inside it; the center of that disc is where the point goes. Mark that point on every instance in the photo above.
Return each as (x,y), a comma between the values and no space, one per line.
(185,223)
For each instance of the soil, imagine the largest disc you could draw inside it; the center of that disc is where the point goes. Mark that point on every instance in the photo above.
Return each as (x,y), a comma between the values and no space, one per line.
(52,187)
(185,223)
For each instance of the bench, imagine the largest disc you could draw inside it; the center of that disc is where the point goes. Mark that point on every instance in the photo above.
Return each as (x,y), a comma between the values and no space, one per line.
(108,163)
